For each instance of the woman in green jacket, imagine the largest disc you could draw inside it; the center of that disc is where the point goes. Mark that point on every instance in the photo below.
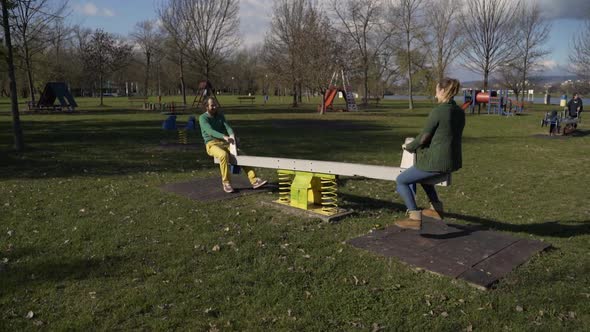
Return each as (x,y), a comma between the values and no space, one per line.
(438,152)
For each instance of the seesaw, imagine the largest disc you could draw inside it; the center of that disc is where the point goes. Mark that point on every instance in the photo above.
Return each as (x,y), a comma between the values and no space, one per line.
(311,185)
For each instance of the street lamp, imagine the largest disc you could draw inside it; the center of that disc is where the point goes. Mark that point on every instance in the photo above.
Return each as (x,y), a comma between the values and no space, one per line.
(232,86)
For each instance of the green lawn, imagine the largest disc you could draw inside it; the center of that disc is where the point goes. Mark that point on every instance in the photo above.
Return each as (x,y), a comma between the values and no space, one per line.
(89,242)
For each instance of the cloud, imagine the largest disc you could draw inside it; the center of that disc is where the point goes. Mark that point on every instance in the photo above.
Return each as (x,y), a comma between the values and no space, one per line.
(549,64)
(565,9)
(108,12)
(255,17)
(90,9)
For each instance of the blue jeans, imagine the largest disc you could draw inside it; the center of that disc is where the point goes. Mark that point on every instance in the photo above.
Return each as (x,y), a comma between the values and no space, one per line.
(406,186)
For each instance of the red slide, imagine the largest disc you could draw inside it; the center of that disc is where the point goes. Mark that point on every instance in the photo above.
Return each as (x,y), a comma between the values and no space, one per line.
(329,97)
(466,105)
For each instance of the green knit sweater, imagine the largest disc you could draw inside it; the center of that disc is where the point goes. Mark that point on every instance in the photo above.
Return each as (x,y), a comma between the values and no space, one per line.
(213,127)
(443,153)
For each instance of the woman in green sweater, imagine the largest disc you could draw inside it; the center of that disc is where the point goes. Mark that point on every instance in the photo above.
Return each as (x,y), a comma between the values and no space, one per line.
(438,152)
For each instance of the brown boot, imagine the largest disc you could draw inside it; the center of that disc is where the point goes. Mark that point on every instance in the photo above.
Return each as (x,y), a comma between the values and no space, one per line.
(414,220)
(435,211)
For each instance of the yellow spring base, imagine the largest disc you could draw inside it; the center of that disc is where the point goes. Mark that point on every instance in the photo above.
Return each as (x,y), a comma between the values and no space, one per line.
(329,195)
(285,180)
(182,137)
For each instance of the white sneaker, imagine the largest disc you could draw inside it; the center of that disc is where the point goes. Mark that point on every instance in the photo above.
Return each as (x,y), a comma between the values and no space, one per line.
(258,183)
(227,187)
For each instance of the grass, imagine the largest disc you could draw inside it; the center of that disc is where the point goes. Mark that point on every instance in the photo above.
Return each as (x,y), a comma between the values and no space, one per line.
(88,241)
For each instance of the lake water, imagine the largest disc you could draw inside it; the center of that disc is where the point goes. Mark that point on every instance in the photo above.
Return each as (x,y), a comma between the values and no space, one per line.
(537,100)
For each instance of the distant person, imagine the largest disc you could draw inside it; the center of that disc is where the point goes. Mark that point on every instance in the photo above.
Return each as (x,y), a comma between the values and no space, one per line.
(438,152)
(574,106)
(553,120)
(218,135)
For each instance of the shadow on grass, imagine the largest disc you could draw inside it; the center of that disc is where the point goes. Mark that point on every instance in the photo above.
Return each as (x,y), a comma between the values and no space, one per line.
(19,275)
(82,147)
(561,229)
(581,133)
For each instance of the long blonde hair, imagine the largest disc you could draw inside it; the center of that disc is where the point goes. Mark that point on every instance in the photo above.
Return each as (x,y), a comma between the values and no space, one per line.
(450,87)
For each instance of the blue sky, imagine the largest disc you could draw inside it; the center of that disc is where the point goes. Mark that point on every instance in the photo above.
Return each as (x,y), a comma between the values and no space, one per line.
(120,16)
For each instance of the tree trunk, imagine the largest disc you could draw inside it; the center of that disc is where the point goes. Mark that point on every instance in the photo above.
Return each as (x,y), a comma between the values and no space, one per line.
(524,74)
(147,73)
(19,145)
(440,70)
(182,86)
(295,95)
(30,76)
(158,73)
(366,79)
(409,59)
(486,75)
(100,88)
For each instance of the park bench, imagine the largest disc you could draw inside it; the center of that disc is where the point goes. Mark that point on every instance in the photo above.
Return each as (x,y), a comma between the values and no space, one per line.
(141,99)
(373,100)
(246,98)
(38,108)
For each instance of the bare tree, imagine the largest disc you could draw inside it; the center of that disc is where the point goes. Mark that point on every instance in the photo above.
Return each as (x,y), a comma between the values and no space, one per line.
(33,21)
(213,27)
(323,53)
(446,34)
(170,15)
(490,28)
(17,130)
(361,21)
(511,78)
(580,52)
(104,55)
(533,30)
(146,37)
(406,18)
(285,42)
(60,35)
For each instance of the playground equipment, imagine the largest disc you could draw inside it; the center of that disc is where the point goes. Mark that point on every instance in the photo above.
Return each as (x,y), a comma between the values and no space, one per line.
(170,124)
(204,90)
(345,88)
(555,122)
(497,102)
(55,91)
(312,185)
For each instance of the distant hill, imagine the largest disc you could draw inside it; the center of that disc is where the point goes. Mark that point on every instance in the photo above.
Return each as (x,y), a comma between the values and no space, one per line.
(536,79)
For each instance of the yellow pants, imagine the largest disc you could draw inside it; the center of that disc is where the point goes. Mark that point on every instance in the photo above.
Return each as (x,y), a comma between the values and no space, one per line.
(220,149)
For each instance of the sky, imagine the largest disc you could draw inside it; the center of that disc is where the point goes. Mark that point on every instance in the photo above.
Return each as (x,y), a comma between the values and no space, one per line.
(120,17)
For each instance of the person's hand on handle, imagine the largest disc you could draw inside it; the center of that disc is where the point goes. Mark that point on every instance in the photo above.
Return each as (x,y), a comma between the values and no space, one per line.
(229,139)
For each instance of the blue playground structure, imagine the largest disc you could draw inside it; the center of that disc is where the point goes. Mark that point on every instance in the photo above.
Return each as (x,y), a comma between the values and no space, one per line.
(170,124)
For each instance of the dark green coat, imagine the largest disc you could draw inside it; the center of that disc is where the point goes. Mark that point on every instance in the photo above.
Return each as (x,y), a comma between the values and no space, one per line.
(443,153)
